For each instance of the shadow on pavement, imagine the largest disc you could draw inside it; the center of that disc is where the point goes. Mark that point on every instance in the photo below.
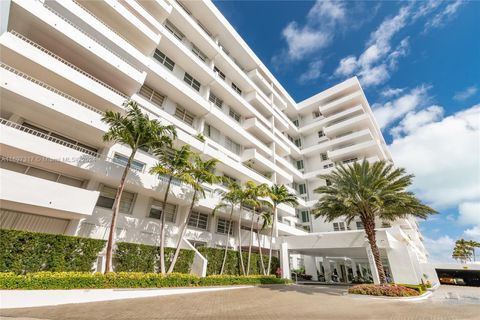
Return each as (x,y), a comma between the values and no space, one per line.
(308,289)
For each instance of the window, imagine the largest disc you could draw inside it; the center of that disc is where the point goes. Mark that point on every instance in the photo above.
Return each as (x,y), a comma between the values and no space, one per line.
(163,59)
(298,142)
(237,89)
(349,160)
(321,134)
(197,244)
(184,115)
(302,188)
(219,72)
(156,211)
(234,115)
(305,216)
(222,226)
(174,30)
(199,53)
(152,95)
(198,220)
(296,122)
(211,132)
(300,164)
(324,156)
(216,100)
(191,81)
(316,114)
(232,145)
(107,198)
(123,160)
(360,225)
(330,165)
(339,226)
(386,225)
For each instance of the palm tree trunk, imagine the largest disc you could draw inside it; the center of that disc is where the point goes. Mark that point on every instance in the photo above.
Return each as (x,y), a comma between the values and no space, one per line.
(274,225)
(116,209)
(260,248)
(250,244)
(369,225)
(226,243)
(182,233)
(240,241)
(162,228)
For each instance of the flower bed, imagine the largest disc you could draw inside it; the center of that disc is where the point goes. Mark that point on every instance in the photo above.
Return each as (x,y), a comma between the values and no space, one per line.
(86,280)
(383,290)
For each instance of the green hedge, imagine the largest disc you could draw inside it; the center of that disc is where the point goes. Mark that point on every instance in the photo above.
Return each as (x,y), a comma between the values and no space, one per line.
(232,265)
(132,257)
(418,287)
(23,252)
(86,280)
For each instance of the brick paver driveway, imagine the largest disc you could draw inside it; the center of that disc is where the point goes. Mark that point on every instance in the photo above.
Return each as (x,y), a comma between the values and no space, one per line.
(269,302)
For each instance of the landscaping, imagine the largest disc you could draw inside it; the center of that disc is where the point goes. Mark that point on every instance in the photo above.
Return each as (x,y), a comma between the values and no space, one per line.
(384,290)
(87,280)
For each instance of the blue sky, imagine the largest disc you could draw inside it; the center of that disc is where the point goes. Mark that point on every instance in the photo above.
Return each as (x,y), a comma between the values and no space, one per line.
(419,64)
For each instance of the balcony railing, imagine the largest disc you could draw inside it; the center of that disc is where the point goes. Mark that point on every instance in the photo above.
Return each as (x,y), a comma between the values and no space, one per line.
(88,35)
(50,88)
(53,55)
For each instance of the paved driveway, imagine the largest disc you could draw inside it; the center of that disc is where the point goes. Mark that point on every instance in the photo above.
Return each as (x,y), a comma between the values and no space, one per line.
(269,302)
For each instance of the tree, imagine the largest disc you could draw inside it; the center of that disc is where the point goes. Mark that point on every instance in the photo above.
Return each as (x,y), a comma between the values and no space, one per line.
(201,172)
(464,250)
(368,191)
(136,130)
(267,221)
(231,199)
(278,195)
(174,164)
(253,194)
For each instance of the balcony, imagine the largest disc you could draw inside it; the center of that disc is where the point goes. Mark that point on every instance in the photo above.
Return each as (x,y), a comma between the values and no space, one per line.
(159,9)
(119,18)
(259,163)
(285,229)
(21,53)
(342,103)
(352,124)
(74,44)
(27,193)
(351,138)
(367,148)
(260,81)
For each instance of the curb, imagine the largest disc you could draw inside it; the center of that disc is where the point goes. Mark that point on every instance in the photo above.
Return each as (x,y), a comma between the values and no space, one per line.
(424,296)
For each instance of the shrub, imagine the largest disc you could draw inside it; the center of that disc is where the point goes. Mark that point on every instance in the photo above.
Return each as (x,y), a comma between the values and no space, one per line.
(24,252)
(132,257)
(86,280)
(418,287)
(383,290)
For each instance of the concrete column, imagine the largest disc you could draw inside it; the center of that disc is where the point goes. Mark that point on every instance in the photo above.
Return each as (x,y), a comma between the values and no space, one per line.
(311,267)
(354,268)
(373,265)
(360,268)
(285,261)
(327,269)
(336,266)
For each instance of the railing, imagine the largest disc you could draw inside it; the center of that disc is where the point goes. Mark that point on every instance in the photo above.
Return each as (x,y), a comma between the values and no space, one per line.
(50,88)
(53,55)
(88,35)
(45,136)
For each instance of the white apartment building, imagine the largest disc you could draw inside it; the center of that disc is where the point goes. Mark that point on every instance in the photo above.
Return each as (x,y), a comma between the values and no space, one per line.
(63,63)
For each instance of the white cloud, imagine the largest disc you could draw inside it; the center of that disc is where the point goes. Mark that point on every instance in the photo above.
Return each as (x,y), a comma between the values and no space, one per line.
(469,213)
(316,33)
(313,72)
(472,233)
(413,120)
(446,14)
(346,66)
(393,110)
(465,94)
(391,92)
(444,156)
(374,75)
(440,249)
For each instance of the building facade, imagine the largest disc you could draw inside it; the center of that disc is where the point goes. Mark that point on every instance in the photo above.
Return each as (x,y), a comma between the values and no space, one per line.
(64,63)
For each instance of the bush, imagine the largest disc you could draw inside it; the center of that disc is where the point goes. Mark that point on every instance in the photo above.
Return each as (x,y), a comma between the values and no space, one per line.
(232,265)
(383,290)
(132,257)
(22,252)
(85,280)
(418,287)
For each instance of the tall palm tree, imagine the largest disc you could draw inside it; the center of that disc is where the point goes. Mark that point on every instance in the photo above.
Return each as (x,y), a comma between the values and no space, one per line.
(201,172)
(230,199)
(267,220)
(174,164)
(137,130)
(253,199)
(278,195)
(464,250)
(368,191)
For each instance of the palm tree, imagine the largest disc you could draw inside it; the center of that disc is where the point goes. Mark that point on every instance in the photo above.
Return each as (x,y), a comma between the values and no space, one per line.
(464,250)
(267,220)
(200,172)
(135,129)
(174,165)
(230,199)
(253,195)
(368,191)
(278,195)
